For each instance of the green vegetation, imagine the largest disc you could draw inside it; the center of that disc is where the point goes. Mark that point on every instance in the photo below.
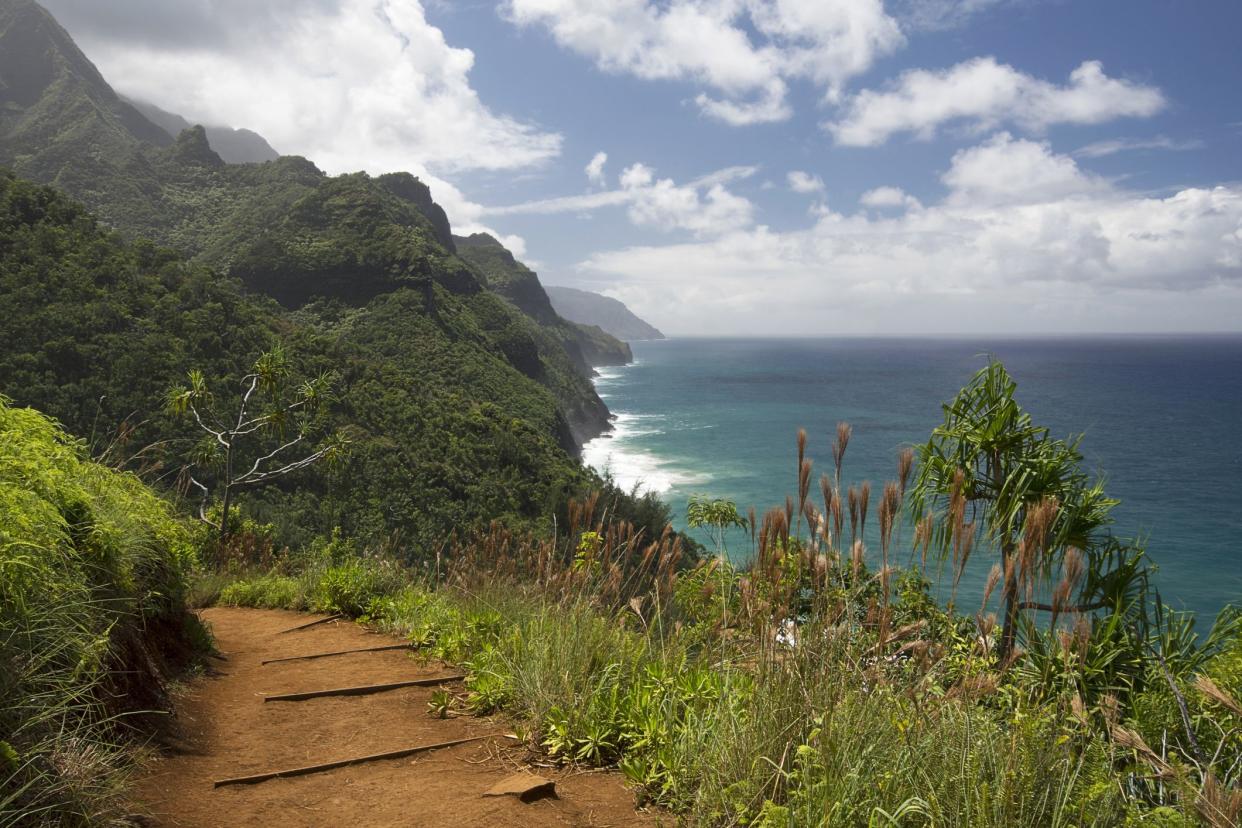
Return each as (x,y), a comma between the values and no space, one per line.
(808,688)
(93,572)
(990,460)
(815,686)
(289,418)
(587,345)
(448,432)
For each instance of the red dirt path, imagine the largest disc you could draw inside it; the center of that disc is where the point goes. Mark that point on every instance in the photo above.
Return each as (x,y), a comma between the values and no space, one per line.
(228,731)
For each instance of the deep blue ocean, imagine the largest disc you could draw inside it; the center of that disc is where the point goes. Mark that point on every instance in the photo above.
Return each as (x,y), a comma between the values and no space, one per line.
(1162,419)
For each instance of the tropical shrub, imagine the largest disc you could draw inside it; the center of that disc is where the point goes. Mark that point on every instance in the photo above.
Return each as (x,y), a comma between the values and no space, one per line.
(93,571)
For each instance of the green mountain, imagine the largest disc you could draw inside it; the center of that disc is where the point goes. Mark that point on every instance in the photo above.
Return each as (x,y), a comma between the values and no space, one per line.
(435,387)
(60,122)
(283,227)
(604,312)
(235,146)
(467,401)
(586,344)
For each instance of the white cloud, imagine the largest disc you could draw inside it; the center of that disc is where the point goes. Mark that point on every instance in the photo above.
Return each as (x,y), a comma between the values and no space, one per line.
(1063,250)
(704,206)
(801,181)
(938,15)
(595,169)
(1099,149)
(1004,170)
(725,175)
(983,94)
(745,51)
(769,107)
(351,84)
(885,197)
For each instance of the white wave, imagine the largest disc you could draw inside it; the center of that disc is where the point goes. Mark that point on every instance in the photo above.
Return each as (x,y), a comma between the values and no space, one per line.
(626,426)
(630,465)
(608,374)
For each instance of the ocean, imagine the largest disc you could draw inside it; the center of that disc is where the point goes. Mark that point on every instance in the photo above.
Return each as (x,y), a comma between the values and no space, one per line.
(1162,419)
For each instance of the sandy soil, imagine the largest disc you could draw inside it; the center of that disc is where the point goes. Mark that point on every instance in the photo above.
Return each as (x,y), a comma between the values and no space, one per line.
(227,730)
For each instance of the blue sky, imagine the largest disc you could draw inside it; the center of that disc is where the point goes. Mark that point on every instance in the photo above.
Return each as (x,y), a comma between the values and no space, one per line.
(772,166)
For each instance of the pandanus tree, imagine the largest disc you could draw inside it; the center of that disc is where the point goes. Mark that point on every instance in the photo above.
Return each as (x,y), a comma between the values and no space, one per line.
(990,474)
(262,434)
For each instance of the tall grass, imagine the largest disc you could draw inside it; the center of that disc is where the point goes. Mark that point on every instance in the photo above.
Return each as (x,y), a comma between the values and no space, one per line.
(809,687)
(92,586)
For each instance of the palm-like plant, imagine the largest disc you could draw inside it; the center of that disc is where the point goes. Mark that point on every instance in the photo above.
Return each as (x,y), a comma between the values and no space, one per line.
(989,471)
(270,406)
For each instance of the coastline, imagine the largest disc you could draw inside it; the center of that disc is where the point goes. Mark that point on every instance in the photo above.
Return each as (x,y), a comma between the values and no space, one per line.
(615,453)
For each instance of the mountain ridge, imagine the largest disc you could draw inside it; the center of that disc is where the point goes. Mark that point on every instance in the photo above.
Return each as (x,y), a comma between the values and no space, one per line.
(466,407)
(604,312)
(234,146)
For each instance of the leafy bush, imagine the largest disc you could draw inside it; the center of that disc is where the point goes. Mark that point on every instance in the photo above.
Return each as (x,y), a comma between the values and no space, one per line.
(266,592)
(92,595)
(353,587)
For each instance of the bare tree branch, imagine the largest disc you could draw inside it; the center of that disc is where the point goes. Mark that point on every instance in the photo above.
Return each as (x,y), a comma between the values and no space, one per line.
(202,507)
(219,435)
(269,375)
(299,464)
(255,468)
(241,411)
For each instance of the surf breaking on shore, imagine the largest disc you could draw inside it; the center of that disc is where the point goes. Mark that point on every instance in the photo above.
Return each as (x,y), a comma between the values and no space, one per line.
(620,453)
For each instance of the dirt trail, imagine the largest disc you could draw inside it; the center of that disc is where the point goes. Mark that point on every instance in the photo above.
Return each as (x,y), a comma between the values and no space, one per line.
(229,731)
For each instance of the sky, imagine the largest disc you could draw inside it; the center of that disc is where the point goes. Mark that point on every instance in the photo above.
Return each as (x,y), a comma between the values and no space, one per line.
(763,167)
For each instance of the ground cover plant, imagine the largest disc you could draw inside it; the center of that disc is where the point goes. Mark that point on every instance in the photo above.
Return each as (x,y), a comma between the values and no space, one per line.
(821,684)
(93,568)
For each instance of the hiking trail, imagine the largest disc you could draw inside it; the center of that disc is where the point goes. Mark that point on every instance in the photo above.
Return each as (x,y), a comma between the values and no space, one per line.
(226,730)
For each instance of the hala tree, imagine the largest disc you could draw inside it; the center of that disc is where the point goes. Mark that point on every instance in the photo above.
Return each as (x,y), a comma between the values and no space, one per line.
(717,517)
(264,434)
(990,472)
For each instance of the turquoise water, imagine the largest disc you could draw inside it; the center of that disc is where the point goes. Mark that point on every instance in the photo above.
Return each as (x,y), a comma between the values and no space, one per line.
(1162,418)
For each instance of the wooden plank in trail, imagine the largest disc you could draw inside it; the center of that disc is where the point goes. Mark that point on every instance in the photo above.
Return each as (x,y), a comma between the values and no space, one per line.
(384,648)
(341,763)
(314,623)
(364,690)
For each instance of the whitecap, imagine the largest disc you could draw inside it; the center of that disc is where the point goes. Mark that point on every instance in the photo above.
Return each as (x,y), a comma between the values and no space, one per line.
(631,466)
(607,374)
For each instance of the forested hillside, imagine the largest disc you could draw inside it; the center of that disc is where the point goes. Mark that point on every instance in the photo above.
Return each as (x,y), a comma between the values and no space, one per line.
(587,345)
(462,403)
(448,430)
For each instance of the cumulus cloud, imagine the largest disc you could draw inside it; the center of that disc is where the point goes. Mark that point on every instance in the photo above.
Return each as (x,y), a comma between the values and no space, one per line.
(743,51)
(769,107)
(351,84)
(886,197)
(1055,252)
(595,169)
(1004,170)
(704,206)
(801,181)
(983,94)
